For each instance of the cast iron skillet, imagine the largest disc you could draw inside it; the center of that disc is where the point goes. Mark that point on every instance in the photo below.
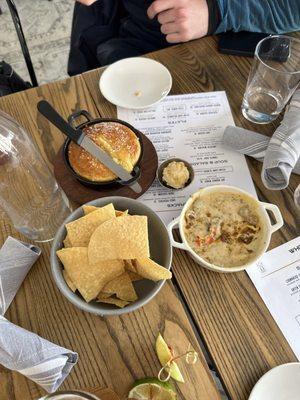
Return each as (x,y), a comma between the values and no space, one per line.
(92,121)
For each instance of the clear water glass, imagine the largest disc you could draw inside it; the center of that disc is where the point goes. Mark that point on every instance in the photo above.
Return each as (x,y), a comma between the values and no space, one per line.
(273,78)
(29,193)
(70,395)
(297,197)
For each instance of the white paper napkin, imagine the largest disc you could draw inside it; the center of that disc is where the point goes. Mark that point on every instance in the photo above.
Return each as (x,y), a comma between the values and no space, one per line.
(44,362)
(16,259)
(284,148)
(250,143)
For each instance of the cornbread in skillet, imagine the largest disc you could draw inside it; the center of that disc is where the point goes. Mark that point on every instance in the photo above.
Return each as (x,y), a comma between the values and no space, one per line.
(118,140)
(224,228)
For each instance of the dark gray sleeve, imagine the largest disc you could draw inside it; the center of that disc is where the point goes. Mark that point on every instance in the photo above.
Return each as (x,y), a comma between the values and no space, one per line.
(269,16)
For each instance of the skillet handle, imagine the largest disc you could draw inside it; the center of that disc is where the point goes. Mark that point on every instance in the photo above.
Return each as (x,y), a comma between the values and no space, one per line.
(57,120)
(81,113)
(136,173)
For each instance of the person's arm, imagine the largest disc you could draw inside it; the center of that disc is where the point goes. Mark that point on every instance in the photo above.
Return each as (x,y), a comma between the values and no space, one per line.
(269,16)
(184,20)
(86,2)
(181,20)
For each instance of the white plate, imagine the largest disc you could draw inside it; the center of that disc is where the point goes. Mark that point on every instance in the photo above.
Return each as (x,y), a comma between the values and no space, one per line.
(280,383)
(135,82)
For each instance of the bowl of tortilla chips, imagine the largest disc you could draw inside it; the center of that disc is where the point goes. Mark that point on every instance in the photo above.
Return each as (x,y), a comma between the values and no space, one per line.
(111,256)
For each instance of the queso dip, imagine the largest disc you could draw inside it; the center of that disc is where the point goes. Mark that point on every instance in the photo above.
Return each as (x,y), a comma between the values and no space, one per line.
(224,228)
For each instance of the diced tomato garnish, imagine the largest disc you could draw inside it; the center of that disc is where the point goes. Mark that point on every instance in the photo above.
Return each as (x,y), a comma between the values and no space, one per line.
(198,241)
(209,240)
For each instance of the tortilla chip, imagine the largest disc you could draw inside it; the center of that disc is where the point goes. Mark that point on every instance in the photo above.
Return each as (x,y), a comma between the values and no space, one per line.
(129,266)
(68,280)
(80,231)
(89,278)
(122,287)
(116,302)
(134,277)
(89,209)
(121,213)
(122,238)
(103,295)
(67,242)
(149,269)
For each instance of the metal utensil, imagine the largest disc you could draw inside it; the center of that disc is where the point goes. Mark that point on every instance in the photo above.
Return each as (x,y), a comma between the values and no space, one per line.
(78,136)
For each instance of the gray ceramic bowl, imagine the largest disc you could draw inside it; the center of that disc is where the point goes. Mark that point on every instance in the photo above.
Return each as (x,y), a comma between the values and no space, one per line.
(160,251)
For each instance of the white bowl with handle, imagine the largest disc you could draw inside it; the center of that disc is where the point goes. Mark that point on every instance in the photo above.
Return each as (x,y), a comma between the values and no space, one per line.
(269,228)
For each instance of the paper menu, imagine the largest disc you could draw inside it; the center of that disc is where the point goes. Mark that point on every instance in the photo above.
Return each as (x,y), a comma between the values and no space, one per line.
(190,127)
(277,279)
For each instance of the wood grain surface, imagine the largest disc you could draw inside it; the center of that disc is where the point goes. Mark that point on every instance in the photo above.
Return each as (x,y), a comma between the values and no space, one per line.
(104,394)
(115,351)
(238,330)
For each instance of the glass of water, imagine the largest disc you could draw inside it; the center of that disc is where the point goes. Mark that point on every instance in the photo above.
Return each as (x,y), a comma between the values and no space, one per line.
(297,197)
(70,395)
(29,193)
(274,76)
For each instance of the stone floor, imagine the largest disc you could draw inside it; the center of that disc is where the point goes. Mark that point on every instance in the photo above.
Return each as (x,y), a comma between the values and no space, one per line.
(47,26)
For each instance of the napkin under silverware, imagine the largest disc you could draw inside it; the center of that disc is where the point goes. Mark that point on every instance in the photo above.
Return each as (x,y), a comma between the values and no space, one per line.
(16,259)
(280,154)
(284,148)
(250,143)
(44,362)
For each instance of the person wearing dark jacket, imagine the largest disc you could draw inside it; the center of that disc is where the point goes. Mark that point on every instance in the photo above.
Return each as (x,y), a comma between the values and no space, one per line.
(105,31)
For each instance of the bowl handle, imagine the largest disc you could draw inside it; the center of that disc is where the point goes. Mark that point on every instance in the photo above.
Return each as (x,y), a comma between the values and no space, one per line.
(277,215)
(170,228)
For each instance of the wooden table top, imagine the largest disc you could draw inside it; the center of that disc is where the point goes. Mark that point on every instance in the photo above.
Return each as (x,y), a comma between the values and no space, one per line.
(224,310)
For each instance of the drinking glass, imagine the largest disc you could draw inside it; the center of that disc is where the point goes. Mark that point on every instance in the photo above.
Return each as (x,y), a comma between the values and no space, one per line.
(28,191)
(273,78)
(70,395)
(297,197)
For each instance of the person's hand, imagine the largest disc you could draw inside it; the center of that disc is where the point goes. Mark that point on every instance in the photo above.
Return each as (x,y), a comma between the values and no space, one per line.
(87,2)
(181,20)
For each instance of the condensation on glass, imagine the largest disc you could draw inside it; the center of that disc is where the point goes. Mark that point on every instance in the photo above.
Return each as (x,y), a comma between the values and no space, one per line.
(29,194)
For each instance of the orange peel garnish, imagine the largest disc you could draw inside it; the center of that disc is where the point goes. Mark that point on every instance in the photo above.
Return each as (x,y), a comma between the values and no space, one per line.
(191,357)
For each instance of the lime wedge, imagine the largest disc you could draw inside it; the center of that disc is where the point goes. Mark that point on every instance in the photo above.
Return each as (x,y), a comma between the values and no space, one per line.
(152,389)
(164,355)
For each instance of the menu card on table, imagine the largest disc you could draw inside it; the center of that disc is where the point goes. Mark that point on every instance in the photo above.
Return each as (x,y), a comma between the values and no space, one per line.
(190,127)
(277,279)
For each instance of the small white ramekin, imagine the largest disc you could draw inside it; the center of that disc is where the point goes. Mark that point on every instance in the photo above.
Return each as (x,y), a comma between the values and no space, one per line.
(262,210)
